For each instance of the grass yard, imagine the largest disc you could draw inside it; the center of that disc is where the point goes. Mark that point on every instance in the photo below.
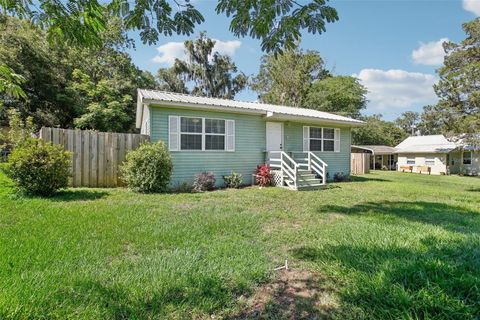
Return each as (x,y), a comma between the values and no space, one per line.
(387,246)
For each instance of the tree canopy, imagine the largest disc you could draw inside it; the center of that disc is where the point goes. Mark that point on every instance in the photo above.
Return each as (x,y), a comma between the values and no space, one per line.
(286,79)
(458,108)
(277,23)
(377,131)
(343,95)
(408,121)
(53,96)
(210,73)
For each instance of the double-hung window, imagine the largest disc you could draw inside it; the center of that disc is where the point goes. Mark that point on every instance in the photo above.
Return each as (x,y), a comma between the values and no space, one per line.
(430,161)
(410,160)
(191,133)
(201,134)
(328,139)
(315,139)
(214,134)
(467,157)
(321,139)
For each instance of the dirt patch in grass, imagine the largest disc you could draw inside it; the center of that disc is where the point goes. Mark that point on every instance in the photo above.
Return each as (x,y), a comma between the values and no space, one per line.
(294,294)
(184,206)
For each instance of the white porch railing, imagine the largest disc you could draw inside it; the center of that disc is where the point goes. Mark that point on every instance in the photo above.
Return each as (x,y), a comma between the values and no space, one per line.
(317,165)
(286,164)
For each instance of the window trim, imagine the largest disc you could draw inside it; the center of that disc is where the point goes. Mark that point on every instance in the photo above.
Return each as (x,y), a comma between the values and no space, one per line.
(432,161)
(414,160)
(322,139)
(471,156)
(203,134)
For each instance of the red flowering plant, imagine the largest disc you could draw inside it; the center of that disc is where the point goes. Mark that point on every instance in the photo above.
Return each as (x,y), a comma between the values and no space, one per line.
(263,176)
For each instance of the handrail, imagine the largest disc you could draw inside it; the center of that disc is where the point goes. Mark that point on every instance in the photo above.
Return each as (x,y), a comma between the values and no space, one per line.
(319,168)
(318,158)
(291,172)
(289,158)
(288,166)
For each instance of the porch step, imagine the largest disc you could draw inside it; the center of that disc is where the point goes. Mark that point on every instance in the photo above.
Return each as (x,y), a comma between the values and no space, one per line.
(312,187)
(307,177)
(305,184)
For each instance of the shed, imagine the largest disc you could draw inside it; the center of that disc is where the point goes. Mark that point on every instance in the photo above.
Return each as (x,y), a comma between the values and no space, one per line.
(382,156)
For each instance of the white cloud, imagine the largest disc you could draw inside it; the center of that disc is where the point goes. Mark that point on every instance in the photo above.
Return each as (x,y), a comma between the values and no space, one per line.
(175,50)
(397,89)
(226,47)
(430,53)
(472,6)
(169,52)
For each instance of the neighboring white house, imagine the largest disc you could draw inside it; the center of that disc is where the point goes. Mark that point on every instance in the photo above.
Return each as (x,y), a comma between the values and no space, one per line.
(440,155)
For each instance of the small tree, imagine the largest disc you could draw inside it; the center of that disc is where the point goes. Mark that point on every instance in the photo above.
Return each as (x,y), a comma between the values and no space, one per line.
(19,131)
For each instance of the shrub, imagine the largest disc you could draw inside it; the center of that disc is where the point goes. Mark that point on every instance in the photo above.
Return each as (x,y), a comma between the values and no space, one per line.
(340,177)
(183,187)
(234,180)
(203,182)
(38,167)
(148,168)
(263,176)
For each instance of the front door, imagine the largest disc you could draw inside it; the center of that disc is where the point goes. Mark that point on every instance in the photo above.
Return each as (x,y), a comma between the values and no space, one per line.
(274,136)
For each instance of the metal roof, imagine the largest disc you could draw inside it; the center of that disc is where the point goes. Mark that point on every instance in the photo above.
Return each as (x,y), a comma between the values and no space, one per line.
(377,149)
(426,144)
(467,141)
(270,110)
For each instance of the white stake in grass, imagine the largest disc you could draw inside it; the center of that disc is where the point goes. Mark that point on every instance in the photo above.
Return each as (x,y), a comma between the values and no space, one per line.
(283,267)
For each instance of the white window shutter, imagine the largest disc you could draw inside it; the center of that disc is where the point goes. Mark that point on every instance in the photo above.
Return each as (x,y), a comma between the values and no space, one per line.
(173,133)
(230,135)
(337,140)
(306,138)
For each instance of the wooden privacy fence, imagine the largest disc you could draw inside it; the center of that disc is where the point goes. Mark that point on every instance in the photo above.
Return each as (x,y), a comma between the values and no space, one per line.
(360,163)
(96,156)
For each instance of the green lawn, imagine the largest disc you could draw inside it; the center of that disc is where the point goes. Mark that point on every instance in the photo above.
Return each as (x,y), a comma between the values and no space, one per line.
(388,245)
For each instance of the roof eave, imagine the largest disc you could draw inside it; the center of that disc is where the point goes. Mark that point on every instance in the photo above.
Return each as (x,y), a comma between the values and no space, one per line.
(198,106)
(269,114)
(314,120)
(424,151)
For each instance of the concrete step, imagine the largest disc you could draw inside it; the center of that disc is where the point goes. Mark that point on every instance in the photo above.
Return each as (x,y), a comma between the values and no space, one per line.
(312,187)
(306,175)
(309,184)
(312,183)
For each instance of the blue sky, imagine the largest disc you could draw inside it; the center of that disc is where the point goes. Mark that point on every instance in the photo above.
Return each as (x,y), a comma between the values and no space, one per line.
(394,47)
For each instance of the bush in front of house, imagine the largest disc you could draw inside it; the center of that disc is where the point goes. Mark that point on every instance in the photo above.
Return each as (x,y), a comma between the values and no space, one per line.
(340,177)
(148,168)
(204,181)
(234,180)
(182,187)
(263,176)
(38,167)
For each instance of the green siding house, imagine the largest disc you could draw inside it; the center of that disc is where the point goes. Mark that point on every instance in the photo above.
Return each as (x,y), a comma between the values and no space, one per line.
(303,147)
